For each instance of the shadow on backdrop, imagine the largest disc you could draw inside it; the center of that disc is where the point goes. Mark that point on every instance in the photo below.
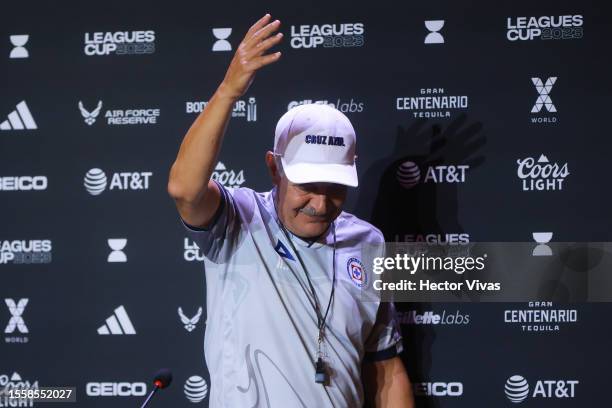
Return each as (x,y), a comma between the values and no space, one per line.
(412,195)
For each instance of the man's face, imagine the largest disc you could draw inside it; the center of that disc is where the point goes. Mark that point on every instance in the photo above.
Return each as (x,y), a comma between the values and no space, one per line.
(308,209)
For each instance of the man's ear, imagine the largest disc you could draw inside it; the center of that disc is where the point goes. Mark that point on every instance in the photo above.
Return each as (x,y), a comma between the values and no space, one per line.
(273,168)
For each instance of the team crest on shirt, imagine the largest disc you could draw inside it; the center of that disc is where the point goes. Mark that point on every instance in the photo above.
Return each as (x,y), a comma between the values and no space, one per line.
(356,272)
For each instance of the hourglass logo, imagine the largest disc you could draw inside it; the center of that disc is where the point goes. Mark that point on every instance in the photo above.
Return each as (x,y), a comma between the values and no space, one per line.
(221,34)
(117,245)
(542,239)
(18,42)
(434,37)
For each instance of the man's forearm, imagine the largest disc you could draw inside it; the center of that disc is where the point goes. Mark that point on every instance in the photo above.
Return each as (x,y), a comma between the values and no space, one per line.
(199,150)
(387,384)
(397,393)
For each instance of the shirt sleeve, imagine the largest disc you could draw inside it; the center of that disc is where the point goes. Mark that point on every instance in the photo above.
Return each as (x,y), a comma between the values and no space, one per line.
(385,340)
(219,239)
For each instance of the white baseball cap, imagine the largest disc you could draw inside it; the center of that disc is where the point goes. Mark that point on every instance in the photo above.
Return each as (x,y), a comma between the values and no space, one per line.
(316,143)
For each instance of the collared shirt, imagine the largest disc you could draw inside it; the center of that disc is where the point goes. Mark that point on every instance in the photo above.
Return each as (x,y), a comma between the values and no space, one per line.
(261,329)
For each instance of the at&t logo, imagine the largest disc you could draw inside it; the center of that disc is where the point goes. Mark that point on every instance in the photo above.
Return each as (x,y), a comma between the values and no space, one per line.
(195,389)
(409,175)
(95,181)
(517,389)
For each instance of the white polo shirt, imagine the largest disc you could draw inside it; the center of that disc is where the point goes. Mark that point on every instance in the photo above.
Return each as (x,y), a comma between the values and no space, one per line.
(261,328)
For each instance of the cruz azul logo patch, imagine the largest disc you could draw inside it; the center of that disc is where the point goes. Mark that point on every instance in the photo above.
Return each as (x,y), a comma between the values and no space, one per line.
(356,272)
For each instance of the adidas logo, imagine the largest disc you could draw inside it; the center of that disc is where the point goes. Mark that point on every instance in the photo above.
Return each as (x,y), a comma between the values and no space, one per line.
(118,323)
(19,119)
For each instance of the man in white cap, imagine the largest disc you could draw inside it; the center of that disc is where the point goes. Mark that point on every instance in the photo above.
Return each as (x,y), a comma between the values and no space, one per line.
(292,318)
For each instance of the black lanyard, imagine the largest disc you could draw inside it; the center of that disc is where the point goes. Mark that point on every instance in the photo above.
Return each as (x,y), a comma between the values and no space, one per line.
(321,375)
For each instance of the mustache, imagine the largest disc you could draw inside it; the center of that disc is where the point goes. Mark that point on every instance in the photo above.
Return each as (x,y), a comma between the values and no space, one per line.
(308,210)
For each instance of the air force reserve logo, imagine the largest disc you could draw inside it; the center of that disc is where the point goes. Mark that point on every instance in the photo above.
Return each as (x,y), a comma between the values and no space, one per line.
(356,272)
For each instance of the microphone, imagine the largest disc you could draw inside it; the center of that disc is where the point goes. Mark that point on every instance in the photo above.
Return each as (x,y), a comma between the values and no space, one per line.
(162,379)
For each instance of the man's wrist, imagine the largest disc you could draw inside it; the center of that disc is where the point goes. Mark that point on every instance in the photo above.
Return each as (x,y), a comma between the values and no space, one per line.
(225,94)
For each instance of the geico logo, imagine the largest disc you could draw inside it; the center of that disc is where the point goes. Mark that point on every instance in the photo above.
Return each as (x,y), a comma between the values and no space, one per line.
(439,389)
(122,389)
(23,183)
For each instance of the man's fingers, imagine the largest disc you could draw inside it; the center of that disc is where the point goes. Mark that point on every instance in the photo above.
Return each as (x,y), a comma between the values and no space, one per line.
(264,60)
(262,34)
(257,26)
(265,45)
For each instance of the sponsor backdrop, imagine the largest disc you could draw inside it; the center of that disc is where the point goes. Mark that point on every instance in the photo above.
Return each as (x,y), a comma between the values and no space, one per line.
(476,121)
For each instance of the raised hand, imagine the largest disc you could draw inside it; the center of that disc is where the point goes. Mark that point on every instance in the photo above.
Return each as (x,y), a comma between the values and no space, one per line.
(250,56)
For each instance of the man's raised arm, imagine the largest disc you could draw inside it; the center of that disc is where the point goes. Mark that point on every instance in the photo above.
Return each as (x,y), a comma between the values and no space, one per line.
(197,197)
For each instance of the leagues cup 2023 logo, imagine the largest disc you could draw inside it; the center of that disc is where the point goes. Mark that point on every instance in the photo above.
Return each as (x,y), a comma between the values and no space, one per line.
(567,27)
(33,251)
(120,43)
(327,35)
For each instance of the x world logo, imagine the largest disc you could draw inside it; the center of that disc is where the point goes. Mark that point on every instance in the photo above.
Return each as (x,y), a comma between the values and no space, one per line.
(544,95)
(16,321)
